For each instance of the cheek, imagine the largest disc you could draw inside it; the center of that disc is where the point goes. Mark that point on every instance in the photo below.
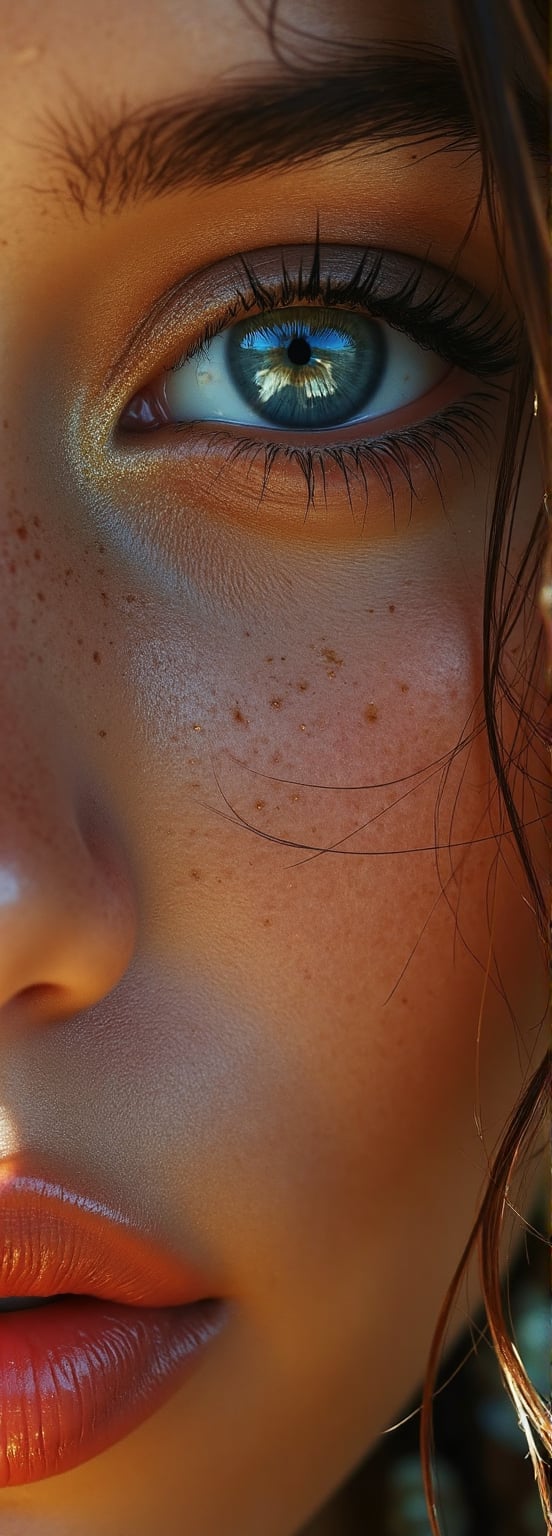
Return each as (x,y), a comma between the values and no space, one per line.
(359,856)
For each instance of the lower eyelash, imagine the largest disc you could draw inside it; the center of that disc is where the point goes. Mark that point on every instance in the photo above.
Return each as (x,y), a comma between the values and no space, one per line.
(464,428)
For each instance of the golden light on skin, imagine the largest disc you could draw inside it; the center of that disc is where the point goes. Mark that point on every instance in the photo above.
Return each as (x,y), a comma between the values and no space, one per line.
(8,1140)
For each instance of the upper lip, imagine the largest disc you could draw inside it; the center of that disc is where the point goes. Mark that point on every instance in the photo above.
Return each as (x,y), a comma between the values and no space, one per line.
(55,1240)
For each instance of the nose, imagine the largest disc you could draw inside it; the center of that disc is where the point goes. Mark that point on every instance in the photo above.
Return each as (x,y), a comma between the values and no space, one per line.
(68,911)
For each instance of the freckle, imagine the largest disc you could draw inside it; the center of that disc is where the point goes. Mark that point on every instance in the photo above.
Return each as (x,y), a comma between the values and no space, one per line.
(391,607)
(302,687)
(105,598)
(97,658)
(102,733)
(276,757)
(37,554)
(130,598)
(331,672)
(371,713)
(331,656)
(247,633)
(370,610)
(269,658)
(195,874)
(260,805)
(79,640)
(36,520)
(282,658)
(405,687)
(22,532)
(267,922)
(239,717)
(12,567)
(69,572)
(276,703)
(294,797)
(101,548)
(40,596)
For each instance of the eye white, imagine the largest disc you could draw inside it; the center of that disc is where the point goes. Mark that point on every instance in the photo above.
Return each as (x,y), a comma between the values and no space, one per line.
(202,389)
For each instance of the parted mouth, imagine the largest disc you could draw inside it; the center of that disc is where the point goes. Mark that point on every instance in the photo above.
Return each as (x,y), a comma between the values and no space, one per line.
(56,1241)
(17,1303)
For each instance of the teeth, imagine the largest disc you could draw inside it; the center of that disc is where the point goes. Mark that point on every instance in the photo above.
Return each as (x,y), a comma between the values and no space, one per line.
(16,1303)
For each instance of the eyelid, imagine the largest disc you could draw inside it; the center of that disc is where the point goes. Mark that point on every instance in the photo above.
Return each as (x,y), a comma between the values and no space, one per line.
(212,294)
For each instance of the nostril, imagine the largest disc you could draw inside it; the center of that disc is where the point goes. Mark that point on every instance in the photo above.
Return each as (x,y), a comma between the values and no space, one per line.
(44,999)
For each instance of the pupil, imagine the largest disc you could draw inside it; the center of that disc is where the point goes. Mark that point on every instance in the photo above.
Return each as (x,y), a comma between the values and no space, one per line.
(299,351)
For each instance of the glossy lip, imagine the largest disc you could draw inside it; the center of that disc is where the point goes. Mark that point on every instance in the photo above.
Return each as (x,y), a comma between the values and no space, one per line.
(54,1240)
(80,1374)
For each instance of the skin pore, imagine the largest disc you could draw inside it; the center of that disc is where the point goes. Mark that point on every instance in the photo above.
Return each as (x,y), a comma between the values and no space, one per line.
(266,1052)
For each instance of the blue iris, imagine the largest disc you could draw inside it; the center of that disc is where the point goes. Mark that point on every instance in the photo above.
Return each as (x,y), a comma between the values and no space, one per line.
(306,368)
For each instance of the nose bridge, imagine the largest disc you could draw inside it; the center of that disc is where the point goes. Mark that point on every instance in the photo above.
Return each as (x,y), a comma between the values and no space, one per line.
(67,904)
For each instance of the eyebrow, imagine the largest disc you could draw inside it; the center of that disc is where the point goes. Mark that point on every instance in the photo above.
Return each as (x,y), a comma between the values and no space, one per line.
(253,129)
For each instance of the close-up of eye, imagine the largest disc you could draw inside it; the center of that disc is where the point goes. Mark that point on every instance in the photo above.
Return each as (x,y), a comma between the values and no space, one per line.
(297,369)
(362,363)
(275,814)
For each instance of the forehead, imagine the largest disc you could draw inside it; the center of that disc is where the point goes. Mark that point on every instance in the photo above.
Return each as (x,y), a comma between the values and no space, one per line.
(136,47)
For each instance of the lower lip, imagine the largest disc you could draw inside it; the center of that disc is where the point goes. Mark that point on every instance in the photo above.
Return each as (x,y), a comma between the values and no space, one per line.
(80,1374)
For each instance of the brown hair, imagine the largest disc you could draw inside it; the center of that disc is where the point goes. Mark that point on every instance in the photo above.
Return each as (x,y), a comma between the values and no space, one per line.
(501,49)
(500,41)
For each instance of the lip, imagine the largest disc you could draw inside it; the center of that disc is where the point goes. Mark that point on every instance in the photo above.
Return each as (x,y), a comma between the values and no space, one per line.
(129,1322)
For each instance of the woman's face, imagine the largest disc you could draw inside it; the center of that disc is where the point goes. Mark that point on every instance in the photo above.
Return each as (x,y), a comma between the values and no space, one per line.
(256,912)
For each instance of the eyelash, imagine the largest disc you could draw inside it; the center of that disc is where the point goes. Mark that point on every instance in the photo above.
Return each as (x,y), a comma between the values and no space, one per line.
(485,345)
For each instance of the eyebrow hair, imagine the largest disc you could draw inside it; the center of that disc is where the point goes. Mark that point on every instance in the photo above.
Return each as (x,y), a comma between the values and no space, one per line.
(248,130)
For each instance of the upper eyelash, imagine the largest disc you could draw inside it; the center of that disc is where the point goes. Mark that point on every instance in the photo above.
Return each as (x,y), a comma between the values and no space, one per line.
(453,320)
(485,344)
